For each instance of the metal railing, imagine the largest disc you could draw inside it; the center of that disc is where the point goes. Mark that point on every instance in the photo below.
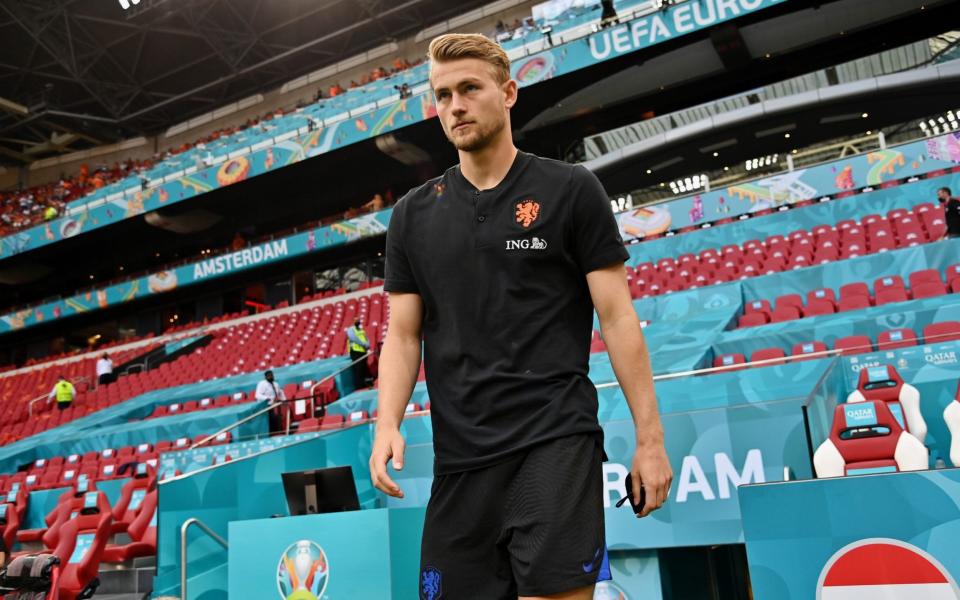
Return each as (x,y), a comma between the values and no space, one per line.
(183,549)
(274,404)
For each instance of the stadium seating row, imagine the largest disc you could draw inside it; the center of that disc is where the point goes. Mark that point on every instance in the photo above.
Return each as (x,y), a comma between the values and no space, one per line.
(78,530)
(926,283)
(801,248)
(314,333)
(881,428)
(106,464)
(855,344)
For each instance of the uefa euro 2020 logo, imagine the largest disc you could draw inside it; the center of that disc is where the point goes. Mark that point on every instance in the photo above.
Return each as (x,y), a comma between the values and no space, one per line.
(303,572)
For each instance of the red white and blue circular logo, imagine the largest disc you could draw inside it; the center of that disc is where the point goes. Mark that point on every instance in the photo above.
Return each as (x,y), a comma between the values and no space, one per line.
(303,572)
(885,568)
(608,590)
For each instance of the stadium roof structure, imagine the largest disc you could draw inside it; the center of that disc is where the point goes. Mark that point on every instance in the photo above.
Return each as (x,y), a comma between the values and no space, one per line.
(80,73)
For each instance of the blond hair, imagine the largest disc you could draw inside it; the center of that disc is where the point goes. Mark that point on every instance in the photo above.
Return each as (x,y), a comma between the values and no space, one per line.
(455,46)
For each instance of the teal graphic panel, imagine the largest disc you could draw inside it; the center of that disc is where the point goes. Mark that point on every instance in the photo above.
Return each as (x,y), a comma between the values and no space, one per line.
(258,255)
(872,536)
(870,169)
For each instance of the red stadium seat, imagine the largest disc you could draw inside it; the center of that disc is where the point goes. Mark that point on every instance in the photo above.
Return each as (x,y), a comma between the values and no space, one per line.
(794,300)
(769,354)
(944,331)
(866,438)
(808,348)
(82,541)
(819,307)
(853,344)
(331,422)
(142,532)
(131,498)
(753,319)
(891,282)
(726,360)
(821,295)
(853,303)
(928,290)
(925,276)
(953,273)
(854,289)
(896,338)
(308,425)
(891,295)
(761,306)
(885,384)
(786,313)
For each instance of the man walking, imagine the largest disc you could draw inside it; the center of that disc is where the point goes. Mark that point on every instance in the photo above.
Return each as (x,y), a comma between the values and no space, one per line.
(498,265)
(268,389)
(63,392)
(951,209)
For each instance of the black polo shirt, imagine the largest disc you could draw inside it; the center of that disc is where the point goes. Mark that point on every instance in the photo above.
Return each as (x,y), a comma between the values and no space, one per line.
(951,210)
(507,312)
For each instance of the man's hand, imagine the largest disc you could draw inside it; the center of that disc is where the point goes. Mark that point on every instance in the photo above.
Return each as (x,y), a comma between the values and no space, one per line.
(652,470)
(387,444)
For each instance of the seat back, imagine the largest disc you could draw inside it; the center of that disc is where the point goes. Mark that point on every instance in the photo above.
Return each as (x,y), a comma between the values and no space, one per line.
(884,384)
(768,354)
(941,332)
(726,360)
(133,491)
(853,344)
(867,439)
(896,338)
(81,545)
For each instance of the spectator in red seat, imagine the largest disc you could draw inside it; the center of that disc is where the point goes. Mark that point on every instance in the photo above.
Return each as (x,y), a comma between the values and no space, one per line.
(951,208)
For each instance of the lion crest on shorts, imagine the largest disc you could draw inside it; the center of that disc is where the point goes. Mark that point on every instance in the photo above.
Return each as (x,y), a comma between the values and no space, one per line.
(527,212)
(431,584)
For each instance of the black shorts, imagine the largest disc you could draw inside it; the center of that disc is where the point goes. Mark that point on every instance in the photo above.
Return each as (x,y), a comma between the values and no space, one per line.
(529,526)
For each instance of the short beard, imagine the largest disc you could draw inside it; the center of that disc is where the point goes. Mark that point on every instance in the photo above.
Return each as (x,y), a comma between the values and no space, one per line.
(481,139)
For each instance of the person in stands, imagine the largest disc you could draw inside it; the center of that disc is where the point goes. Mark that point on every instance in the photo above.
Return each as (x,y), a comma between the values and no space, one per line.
(104,369)
(951,209)
(359,347)
(268,389)
(63,392)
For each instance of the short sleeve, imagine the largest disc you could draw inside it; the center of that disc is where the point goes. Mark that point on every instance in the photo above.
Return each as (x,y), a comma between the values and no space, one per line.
(596,236)
(398,274)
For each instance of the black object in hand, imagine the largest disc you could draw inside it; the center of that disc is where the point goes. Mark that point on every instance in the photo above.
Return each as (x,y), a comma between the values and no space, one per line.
(634,503)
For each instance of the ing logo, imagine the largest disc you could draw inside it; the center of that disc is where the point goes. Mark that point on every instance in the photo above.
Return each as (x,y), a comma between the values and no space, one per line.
(125,4)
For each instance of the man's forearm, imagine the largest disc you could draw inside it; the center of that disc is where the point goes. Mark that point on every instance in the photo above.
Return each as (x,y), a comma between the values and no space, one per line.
(631,364)
(398,369)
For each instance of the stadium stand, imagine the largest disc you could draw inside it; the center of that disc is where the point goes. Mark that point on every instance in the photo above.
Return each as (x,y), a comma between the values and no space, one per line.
(866,438)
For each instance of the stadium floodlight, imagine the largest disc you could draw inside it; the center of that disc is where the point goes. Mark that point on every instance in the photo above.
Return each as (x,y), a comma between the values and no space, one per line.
(689,184)
(949,121)
(763,161)
(125,4)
